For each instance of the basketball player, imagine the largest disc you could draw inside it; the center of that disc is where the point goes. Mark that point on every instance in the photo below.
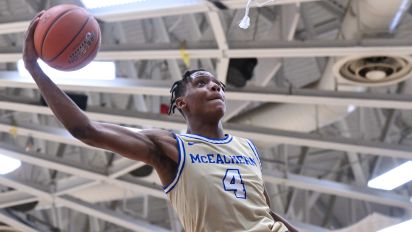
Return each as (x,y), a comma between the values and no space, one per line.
(213,180)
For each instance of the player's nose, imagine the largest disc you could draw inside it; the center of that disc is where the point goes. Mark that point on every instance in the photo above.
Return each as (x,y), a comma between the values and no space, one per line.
(214,87)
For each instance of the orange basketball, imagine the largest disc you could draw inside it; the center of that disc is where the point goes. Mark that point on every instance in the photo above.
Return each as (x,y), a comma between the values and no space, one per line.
(67,37)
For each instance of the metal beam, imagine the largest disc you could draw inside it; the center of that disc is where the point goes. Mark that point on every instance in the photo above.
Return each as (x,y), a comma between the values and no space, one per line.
(124,166)
(218,30)
(328,210)
(53,162)
(7,181)
(54,134)
(133,54)
(256,133)
(338,189)
(286,52)
(14,27)
(322,97)
(319,141)
(304,182)
(73,184)
(354,159)
(298,96)
(289,20)
(220,37)
(389,122)
(233,4)
(196,34)
(121,86)
(156,54)
(15,223)
(138,100)
(333,7)
(173,66)
(12,198)
(311,32)
(78,170)
(20,25)
(108,215)
(320,28)
(84,207)
(247,50)
(292,193)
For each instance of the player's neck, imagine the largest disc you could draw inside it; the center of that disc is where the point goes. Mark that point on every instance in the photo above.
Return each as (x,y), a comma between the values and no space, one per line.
(212,130)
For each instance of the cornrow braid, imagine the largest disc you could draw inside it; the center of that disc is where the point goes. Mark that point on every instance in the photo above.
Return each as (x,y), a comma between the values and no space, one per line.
(179,87)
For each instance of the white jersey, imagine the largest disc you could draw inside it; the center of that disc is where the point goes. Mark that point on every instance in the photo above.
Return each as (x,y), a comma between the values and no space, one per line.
(219,186)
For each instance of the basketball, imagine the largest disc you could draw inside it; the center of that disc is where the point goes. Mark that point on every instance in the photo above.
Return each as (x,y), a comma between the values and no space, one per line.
(67,37)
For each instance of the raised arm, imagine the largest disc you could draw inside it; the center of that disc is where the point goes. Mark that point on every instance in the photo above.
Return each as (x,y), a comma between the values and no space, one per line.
(151,146)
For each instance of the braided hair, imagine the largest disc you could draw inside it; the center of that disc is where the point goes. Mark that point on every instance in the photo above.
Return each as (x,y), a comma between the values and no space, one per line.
(179,87)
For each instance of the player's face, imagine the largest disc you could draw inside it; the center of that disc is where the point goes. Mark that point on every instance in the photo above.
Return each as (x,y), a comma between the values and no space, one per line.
(205,95)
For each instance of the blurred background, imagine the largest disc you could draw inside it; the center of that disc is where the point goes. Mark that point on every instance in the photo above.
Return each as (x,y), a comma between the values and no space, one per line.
(322,87)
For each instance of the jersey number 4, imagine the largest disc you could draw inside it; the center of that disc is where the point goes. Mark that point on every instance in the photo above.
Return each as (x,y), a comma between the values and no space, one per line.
(233,182)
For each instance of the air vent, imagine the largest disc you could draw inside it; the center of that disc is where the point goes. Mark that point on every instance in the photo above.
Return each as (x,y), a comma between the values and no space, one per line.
(373,70)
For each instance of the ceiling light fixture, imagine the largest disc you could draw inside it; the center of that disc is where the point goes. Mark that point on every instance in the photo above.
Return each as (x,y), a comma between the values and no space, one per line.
(8,164)
(401,227)
(110,11)
(393,178)
(91,4)
(96,70)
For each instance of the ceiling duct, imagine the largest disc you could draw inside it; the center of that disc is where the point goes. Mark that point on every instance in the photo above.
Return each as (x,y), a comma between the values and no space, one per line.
(375,17)
(353,73)
(373,71)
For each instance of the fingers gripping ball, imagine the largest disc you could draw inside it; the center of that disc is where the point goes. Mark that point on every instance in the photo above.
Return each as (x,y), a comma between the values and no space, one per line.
(67,37)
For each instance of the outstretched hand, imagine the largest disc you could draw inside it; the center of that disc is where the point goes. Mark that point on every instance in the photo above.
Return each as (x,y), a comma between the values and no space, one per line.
(30,55)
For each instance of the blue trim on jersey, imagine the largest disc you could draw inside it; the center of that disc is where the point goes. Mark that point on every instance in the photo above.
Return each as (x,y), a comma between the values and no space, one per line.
(253,147)
(181,165)
(227,139)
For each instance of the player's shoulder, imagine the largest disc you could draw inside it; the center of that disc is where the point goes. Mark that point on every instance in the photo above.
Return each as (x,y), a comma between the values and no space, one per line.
(161,137)
(165,144)
(158,133)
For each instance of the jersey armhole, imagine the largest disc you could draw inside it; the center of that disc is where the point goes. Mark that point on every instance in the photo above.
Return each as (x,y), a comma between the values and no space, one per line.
(255,151)
(180,162)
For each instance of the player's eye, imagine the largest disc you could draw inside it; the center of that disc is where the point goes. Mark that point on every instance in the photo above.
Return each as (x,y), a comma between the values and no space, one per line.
(201,83)
(222,87)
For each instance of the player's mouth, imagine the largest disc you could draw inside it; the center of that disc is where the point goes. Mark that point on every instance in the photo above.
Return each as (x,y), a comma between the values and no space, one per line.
(216,98)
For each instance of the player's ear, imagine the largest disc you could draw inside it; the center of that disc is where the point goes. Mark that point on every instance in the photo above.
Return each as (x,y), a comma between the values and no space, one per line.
(181,103)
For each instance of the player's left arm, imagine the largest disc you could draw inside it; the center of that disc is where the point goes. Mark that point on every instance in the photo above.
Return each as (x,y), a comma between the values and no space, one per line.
(277,217)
